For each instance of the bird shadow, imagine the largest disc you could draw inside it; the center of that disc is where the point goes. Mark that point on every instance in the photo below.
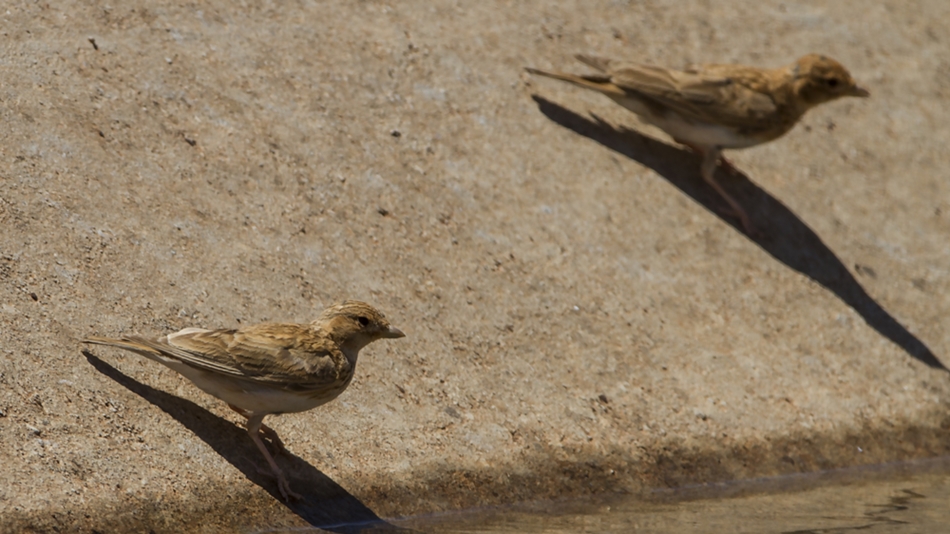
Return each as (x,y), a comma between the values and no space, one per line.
(324,503)
(780,232)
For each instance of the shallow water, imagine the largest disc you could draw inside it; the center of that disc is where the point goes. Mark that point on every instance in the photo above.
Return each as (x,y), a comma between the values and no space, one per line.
(898,498)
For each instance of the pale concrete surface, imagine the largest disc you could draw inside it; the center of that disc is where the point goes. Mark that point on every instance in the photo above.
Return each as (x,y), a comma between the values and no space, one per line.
(214,163)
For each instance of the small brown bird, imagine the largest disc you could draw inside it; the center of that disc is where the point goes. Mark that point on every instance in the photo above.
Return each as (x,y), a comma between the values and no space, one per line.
(269,368)
(713,107)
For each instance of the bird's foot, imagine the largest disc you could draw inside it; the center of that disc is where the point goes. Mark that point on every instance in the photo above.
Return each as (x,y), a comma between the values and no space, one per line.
(285,490)
(282,484)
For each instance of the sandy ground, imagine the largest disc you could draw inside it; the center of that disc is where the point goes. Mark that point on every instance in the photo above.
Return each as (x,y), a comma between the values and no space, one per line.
(580,316)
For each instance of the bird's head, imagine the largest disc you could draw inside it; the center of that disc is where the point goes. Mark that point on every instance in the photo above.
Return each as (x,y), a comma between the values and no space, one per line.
(819,79)
(355,324)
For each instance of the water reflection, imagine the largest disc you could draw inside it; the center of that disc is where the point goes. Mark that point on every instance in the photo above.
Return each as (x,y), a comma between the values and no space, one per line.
(903,498)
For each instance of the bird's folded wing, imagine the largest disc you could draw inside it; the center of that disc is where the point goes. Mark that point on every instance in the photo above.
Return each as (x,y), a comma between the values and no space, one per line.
(699,97)
(268,353)
(288,354)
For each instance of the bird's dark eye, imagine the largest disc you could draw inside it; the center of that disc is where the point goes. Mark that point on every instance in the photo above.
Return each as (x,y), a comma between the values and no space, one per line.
(363,320)
(831,82)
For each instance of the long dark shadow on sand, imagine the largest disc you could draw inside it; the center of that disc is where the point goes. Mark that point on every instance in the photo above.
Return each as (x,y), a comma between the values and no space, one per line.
(784,235)
(325,504)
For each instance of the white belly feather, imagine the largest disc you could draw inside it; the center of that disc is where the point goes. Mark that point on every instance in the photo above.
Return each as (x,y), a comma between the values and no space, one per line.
(701,134)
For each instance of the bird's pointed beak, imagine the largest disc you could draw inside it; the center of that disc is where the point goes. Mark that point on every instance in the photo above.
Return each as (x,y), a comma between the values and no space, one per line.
(393,333)
(859,92)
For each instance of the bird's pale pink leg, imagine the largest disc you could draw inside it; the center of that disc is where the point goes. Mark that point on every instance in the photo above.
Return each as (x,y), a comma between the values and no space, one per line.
(708,171)
(267,431)
(254,424)
(271,434)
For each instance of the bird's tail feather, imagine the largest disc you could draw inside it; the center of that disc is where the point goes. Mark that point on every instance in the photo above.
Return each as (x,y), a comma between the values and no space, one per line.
(597,82)
(129,344)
